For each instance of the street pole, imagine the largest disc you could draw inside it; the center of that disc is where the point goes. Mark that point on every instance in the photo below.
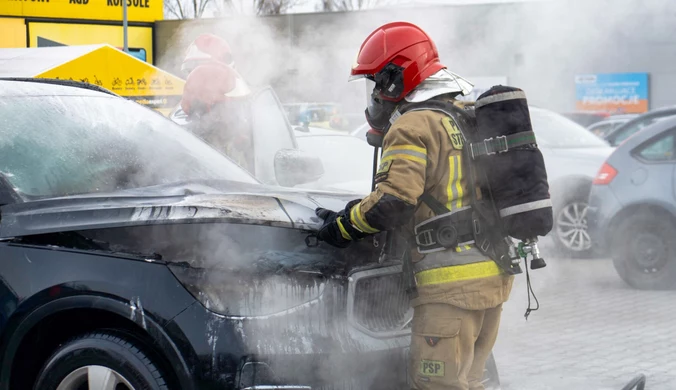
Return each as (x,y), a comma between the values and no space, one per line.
(124,25)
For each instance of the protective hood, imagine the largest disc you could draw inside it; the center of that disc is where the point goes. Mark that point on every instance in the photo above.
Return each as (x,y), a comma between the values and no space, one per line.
(440,83)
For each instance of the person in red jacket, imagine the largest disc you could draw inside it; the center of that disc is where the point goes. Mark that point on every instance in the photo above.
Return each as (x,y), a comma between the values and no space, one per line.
(217,112)
(208,49)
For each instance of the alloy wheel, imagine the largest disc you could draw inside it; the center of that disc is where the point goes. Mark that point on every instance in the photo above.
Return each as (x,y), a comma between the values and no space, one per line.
(571,227)
(94,378)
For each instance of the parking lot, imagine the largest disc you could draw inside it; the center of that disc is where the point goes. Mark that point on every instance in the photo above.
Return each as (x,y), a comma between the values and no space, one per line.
(591,332)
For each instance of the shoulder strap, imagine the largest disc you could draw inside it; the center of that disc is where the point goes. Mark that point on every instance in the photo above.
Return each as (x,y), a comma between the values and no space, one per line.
(437,207)
(459,115)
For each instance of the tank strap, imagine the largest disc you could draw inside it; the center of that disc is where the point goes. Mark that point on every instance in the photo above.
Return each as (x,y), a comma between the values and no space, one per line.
(501,144)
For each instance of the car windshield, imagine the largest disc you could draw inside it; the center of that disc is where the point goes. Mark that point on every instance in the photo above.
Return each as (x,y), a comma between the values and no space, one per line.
(556,131)
(633,127)
(53,146)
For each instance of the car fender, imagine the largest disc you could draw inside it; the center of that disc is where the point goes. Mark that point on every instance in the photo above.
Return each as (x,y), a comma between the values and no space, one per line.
(562,187)
(110,305)
(652,205)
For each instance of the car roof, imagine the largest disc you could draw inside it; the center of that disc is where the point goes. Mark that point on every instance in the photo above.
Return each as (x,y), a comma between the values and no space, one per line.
(649,132)
(23,86)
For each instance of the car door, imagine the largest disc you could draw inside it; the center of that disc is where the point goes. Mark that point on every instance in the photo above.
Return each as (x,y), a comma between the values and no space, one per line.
(272,132)
(658,170)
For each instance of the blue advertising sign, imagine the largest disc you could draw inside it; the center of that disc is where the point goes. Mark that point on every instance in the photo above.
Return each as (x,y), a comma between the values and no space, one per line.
(612,92)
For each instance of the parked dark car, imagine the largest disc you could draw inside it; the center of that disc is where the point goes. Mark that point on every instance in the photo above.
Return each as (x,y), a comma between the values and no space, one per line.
(134,256)
(608,125)
(635,125)
(632,207)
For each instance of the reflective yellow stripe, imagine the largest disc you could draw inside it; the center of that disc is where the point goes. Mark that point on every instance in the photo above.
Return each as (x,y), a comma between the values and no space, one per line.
(406,152)
(406,147)
(458,184)
(421,160)
(343,232)
(453,179)
(457,273)
(463,248)
(454,190)
(359,221)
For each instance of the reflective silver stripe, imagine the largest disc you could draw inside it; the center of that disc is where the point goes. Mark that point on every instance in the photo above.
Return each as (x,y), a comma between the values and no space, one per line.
(404,151)
(522,208)
(448,258)
(500,97)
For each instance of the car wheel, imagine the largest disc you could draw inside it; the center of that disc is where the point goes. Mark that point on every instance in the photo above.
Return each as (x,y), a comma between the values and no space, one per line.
(570,226)
(644,252)
(99,361)
(491,379)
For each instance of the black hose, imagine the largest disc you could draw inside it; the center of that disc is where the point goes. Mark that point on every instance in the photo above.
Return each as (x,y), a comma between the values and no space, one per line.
(637,383)
(375,169)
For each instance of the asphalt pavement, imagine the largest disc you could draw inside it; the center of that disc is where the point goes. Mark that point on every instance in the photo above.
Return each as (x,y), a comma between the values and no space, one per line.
(592,331)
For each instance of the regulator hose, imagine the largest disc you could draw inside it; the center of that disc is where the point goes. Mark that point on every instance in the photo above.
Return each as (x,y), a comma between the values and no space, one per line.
(637,383)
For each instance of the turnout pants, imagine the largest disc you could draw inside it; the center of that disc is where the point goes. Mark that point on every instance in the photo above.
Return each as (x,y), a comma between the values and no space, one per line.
(450,346)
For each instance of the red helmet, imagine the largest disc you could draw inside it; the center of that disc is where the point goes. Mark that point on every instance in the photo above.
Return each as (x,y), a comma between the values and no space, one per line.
(397,57)
(206,86)
(207,48)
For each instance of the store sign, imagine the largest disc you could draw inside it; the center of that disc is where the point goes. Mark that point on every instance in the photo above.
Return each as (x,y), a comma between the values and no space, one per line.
(612,92)
(137,10)
(481,85)
(140,39)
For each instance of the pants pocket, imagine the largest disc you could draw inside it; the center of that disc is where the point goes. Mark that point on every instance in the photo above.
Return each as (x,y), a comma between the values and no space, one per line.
(434,352)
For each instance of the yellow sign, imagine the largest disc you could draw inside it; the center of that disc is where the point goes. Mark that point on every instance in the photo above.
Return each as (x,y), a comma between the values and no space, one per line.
(123,74)
(137,10)
(13,32)
(90,34)
(453,132)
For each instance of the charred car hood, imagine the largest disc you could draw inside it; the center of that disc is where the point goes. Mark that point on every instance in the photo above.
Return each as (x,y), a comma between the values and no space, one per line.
(195,203)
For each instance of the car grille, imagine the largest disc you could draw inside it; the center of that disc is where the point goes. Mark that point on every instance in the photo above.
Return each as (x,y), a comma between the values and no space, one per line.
(378,303)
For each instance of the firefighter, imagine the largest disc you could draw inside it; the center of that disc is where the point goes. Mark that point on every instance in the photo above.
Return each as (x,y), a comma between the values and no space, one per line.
(217,112)
(460,291)
(208,49)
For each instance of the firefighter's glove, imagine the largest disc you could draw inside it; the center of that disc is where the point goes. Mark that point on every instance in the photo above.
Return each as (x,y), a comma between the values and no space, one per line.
(337,229)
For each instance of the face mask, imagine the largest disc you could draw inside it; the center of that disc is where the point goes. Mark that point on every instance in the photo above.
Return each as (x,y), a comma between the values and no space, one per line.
(378,113)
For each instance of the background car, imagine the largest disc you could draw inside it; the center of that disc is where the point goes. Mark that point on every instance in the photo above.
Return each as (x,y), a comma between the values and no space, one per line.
(632,211)
(572,156)
(606,126)
(135,256)
(586,119)
(617,136)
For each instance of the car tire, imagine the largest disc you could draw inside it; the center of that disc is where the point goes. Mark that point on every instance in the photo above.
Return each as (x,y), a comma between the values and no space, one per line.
(104,357)
(491,380)
(644,251)
(569,233)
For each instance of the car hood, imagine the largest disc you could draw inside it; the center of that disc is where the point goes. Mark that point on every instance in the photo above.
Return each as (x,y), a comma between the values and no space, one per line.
(248,204)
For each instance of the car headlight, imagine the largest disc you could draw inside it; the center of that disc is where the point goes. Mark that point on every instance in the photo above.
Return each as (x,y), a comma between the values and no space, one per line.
(244,294)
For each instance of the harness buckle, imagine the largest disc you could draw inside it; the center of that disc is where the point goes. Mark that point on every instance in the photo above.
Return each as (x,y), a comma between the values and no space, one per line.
(496,145)
(427,236)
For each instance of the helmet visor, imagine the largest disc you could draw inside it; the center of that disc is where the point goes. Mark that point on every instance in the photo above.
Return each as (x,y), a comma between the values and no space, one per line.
(370,86)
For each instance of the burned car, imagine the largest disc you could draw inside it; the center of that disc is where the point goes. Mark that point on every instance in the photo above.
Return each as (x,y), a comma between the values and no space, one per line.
(135,256)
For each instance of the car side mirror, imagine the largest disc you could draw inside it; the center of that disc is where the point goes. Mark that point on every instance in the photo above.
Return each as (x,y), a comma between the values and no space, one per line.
(305,128)
(294,167)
